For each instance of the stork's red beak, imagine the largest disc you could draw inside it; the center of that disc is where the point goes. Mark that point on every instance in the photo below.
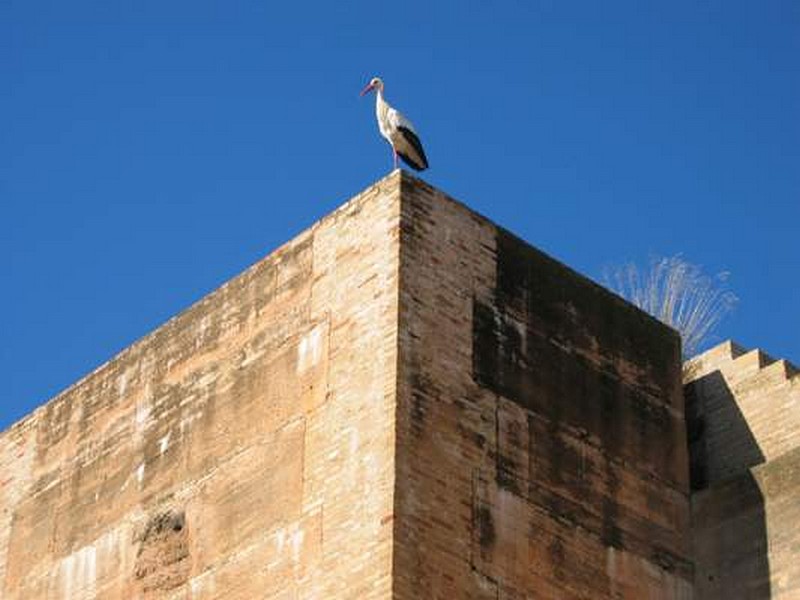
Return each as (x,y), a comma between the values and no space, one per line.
(366,89)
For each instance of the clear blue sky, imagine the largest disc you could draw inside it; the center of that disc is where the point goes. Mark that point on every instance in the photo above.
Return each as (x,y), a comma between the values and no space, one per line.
(149,151)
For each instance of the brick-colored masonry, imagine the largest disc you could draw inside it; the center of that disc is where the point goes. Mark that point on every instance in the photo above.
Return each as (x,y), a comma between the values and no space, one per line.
(406,402)
(541,446)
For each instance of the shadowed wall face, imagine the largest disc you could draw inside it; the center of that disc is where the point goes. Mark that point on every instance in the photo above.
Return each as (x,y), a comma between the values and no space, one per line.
(207,460)
(541,435)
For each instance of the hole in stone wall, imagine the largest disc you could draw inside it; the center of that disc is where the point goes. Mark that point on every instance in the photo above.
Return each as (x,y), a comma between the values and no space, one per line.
(162,557)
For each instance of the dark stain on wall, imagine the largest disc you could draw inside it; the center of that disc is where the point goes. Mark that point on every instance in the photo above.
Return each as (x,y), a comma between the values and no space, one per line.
(555,550)
(611,533)
(594,375)
(421,387)
(505,474)
(550,340)
(484,525)
(506,466)
(568,308)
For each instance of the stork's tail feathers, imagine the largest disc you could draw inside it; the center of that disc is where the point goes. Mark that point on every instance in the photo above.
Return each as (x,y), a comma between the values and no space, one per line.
(417,166)
(418,162)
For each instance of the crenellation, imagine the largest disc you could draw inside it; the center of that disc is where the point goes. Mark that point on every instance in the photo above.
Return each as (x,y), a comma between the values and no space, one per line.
(745,415)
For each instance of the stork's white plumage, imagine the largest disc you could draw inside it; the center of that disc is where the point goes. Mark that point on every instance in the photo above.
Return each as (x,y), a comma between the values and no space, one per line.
(397,130)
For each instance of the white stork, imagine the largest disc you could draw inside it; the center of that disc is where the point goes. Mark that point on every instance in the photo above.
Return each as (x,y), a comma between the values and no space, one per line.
(397,130)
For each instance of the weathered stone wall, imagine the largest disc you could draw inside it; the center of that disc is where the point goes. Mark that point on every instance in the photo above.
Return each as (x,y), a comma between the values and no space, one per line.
(245,449)
(407,401)
(541,446)
(743,415)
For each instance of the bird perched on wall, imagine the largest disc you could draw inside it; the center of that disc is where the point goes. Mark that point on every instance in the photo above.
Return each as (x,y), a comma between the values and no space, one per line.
(397,130)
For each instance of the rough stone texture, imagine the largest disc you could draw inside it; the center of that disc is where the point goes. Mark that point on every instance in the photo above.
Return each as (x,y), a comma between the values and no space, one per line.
(743,416)
(403,402)
(245,449)
(541,448)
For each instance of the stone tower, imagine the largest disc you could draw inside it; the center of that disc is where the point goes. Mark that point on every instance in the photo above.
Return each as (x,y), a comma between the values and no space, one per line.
(405,401)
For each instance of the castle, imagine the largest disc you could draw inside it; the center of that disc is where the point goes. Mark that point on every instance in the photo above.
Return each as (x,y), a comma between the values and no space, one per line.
(406,401)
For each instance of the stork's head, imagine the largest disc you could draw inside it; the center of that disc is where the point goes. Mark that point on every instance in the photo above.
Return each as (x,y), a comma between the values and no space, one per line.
(374,84)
